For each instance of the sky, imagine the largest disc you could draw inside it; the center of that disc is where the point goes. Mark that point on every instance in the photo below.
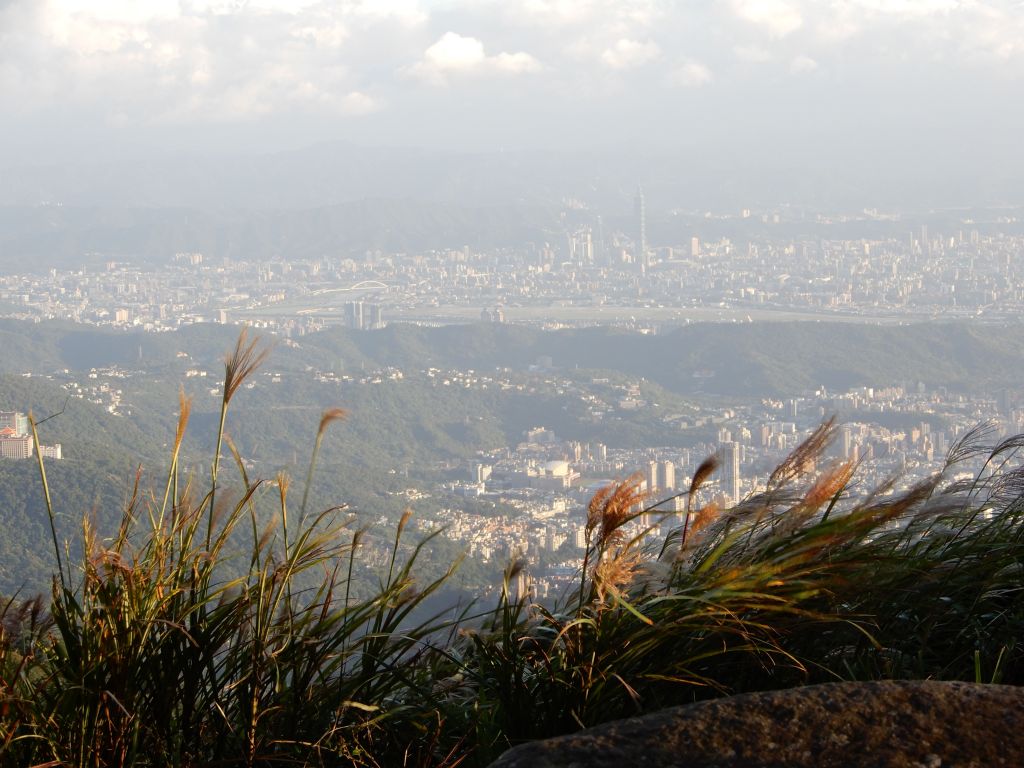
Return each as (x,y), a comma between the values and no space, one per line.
(831,81)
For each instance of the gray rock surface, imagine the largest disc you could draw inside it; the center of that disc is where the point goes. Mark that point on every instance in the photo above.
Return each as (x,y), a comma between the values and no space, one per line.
(903,724)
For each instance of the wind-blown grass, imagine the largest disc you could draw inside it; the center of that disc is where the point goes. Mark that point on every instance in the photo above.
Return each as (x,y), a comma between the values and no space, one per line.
(205,633)
(805,582)
(159,655)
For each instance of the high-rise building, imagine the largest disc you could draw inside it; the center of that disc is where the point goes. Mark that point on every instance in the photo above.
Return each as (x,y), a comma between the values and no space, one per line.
(373,317)
(731,470)
(14,446)
(354,314)
(363,316)
(667,476)
(640,215)
(14,420)
(652,477)
(582,246)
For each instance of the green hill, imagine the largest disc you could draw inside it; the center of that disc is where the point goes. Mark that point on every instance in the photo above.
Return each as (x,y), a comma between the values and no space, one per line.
(731,359)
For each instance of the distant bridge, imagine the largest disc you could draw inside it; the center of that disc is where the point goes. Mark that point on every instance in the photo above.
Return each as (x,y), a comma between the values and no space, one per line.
(360,286)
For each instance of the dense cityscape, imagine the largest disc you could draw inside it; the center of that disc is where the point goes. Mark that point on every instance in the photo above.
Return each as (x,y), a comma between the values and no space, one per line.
(528,499)
(586,276)
(583,275)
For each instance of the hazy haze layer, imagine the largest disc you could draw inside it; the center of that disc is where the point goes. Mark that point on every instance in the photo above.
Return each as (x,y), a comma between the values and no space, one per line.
(910,100)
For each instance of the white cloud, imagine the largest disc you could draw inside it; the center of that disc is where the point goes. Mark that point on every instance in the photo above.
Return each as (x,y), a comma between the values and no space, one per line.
(189,61)
(778,17)
(691,74)
(607,13)
(405,11)
(555,11)
(516,62)
(359,103)
(232,7)
(331,34)
(119,11)
(454,54)
(627,54)
(752,53)
(802,65)
(906,7)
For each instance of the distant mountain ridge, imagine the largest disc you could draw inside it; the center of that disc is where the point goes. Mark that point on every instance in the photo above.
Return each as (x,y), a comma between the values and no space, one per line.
(738,359)
(42,237)
(331,173)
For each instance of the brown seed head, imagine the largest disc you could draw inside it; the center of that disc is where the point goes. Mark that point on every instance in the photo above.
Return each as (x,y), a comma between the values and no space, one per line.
(829,484)
(704,471)
(242,362)
(329,416)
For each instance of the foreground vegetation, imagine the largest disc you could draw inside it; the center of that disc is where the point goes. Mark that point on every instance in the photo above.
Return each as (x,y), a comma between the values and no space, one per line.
(203,632)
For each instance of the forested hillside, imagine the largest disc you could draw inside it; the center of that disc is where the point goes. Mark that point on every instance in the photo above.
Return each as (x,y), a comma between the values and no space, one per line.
(419,423)
(730,359)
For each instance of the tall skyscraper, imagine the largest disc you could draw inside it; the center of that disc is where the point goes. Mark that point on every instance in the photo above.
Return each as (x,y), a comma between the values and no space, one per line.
(848,444)
(373,318)
(640,214)
(363,315)
(582,247)
(354,314)
(652,477)
(731,470)
(667,476)
(602,251)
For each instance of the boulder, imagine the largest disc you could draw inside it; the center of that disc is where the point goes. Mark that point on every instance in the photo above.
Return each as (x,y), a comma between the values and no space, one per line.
(903,724)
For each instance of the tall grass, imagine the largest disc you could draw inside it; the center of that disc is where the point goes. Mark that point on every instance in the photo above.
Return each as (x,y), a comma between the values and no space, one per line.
(205,632)
(166,650)
(807,581)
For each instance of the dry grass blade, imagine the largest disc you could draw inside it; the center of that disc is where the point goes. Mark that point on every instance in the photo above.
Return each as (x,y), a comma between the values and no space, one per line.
(330,416)
(973,442)
(184,411)
(612,574)
(242,362)
(403,521)
(809,451)
(703,518)
(618,507)
(704,471)
(831,482)
(596,506)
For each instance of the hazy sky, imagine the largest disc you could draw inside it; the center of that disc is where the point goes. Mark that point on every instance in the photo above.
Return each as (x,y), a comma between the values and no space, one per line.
(835,78)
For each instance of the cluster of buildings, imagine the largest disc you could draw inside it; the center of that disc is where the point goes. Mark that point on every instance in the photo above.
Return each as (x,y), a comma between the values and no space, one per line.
(16,440)
(549,479)
(965,271)
(865,265)
(528,499)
